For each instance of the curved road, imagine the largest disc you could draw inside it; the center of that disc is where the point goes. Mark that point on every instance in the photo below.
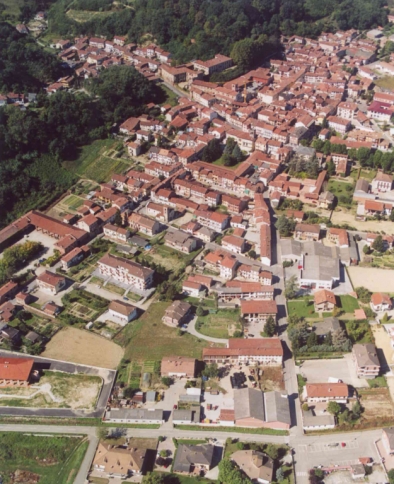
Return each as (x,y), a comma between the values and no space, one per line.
(191,328)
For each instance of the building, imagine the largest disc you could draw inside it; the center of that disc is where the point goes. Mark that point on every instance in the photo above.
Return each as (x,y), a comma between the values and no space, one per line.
(50,282)
(122,311)
(234,244)
(388,439)
(15,372)
(381,302)
(266,351)
(194,458)
(182,241)
(8,291)
(74,257)
(328,325)
(238,290)
(217,64)
(177,313)
(127,271)
(257,311)
(256,409)
(178,366)
(326,392)
(380,111)
(382,183)
(135,415)
(257,466)
(116,233)
(366,360)
(307,232)
(324,300)
(119,461)
(319,272)
(338,237)
(145,225)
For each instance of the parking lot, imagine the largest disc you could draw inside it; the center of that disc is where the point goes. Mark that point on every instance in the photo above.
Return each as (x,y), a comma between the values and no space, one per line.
(319,371)
(46,241)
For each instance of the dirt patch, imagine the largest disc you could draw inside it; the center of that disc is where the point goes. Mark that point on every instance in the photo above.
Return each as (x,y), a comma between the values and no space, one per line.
(374,398)
(375,280)
(25,477)
(271,379)
(79,346)
(343,217)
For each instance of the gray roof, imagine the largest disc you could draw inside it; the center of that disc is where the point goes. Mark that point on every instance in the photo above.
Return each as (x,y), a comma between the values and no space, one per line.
(319,268)
(178,309)
(150,396)
(347,254)
(179,238)
(329,324)
(290,247)
(135,414)
(389,431)
(362,185)
(33,336)
(192,415)
(188,455)
(311,420)
(249,403)
(189,398)
(366,355)
(304,150)
(277,407)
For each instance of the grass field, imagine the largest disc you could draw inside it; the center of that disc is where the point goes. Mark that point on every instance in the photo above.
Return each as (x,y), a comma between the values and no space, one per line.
(70,391)
(302,308)
(12,6)
(349,304)
(218,325)
(80,346)
(169,258)
(366,174)
(93,163)
(44,459)
(240,430)
(114,288)
(73,202)
(82,16)
(148,338)
(339,189)
(386,82)
(220,162)
(171,97)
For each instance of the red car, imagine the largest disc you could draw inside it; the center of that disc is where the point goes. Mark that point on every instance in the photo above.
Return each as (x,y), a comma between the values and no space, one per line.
(343,444)
(175,407)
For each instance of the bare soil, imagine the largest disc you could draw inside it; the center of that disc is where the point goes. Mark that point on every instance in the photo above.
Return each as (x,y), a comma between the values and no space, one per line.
(375,280)
(374,398)
(80,346)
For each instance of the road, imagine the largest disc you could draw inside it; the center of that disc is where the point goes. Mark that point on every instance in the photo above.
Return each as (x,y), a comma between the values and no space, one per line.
(176,90)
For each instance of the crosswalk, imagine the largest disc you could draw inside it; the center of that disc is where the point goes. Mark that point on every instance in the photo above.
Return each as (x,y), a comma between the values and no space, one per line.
(301,474)
(319,448)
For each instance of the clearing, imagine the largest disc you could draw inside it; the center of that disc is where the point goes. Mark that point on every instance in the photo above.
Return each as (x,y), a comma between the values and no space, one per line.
(96,163)
(345,217)
(148,338)
(82,16)
(170,259)
(221,324)
(12,7)
(46,459)
(302,308)
(375,280)
(373,398)
(80,346)
(55,390)
(271,378)
(386,82)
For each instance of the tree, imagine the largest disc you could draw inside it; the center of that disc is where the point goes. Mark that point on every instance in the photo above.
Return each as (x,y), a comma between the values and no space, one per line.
(280,475)
(366,249)
(385,318)
(305,407)
(285,225)
(391,476)
(211,371)
(391,216)
(328,339)
(270,327)
(363,294)
(245,53)
(118,219)
(339,337)
(378,244)
(212,151)
(237,154)
(272,451)
(331,168)
(102,433)
(334,408)
(152,478)
(200,311)
(356,410)
(312,340)
(291,287)
(252,254)
(166,380)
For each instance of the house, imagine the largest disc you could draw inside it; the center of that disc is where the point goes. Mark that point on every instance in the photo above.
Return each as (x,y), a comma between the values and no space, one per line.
(23,298)
(257,466)
(214,220)
(193,458)
(388,439)
(50,282)
(122,311)
(182,241)
(256,409)
(319,271)
(135,415)
(52,309)
(265,351)
(366,360)
(8,291)
(119,461)
(310,421)
(328,325)
(380,111)
(326,392)
(217,64)
(307,232)
(187,417)
(324,300)
(381,302)
(74,257)
(127,271)
(382,182)
(116,233)
(15,372)
(234,244)
(178,366)
(338,237)
(256,311)
(145,225)
(176,313)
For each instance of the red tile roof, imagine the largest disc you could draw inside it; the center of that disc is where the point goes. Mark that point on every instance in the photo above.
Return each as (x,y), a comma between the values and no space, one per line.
(15,368)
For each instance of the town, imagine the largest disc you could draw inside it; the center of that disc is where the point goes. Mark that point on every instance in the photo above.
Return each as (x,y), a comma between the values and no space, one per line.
(219,307)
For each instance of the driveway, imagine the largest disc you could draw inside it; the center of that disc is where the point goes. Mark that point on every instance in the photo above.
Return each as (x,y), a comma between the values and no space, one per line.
(319,371)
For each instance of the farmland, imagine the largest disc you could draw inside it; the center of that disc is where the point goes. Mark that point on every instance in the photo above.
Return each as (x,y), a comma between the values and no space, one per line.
(94,161)
(149,339)
(47,458)
(80,346)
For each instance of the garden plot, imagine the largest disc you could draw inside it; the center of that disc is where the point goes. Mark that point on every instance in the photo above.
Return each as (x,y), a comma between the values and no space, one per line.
(82,312)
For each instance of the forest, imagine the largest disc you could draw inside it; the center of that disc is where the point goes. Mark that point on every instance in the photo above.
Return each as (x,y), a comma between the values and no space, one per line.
(192,29)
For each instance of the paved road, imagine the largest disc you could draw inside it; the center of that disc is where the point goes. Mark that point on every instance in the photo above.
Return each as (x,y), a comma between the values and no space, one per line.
(191,328)
(108,377)
(176,90)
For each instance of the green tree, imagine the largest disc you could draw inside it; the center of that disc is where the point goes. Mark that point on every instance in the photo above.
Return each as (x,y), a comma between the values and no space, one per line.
(272,451)
(166,380)
(118,219)
(312,340)
(366,249)
(152,478)
(285,225)
(334,408)
(280,475)
(331,168)
(391,216)
(200,310)
(237,154)
(305,407)
(378,244)
(102,433)
(212,151)
(211,371)
(245,53)
(356,410)
(391,476)
(385,318)
(363,294)
(328,339)
(270,327)
(291,287)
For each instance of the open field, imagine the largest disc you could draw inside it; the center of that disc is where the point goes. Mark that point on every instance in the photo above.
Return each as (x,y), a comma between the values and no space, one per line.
(384,261)
(68,390)
(169,258)
(302,308)
(94,163)
(367,174)
(376,280)
(219,325)
(82,311)
(386,82)
(348,304)
(73,202)
(148,338)
(373,398)
(85,15)
(51,459)
(346,217)
(80,346)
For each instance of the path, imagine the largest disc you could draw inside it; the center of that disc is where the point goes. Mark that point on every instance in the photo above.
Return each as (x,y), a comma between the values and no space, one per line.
(45,388)
(191,328)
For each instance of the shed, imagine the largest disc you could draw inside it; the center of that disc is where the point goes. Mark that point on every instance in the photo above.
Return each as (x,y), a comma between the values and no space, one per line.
(150,396)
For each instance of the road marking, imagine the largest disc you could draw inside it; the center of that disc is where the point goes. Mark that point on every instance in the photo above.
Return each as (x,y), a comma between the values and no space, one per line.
(303,448)
(301,474)
(351,444)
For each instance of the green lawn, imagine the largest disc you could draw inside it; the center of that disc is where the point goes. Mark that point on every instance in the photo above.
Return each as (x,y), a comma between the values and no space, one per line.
(220,162)
(218,325)
(148,338)
(73,202)
(169,96)
(240,430)
(82,16)
(338,188)
(93,162)
(377,382)
(55,459)
(386,82)
(366,174)
(114,288)
(349,304)
(302,308)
